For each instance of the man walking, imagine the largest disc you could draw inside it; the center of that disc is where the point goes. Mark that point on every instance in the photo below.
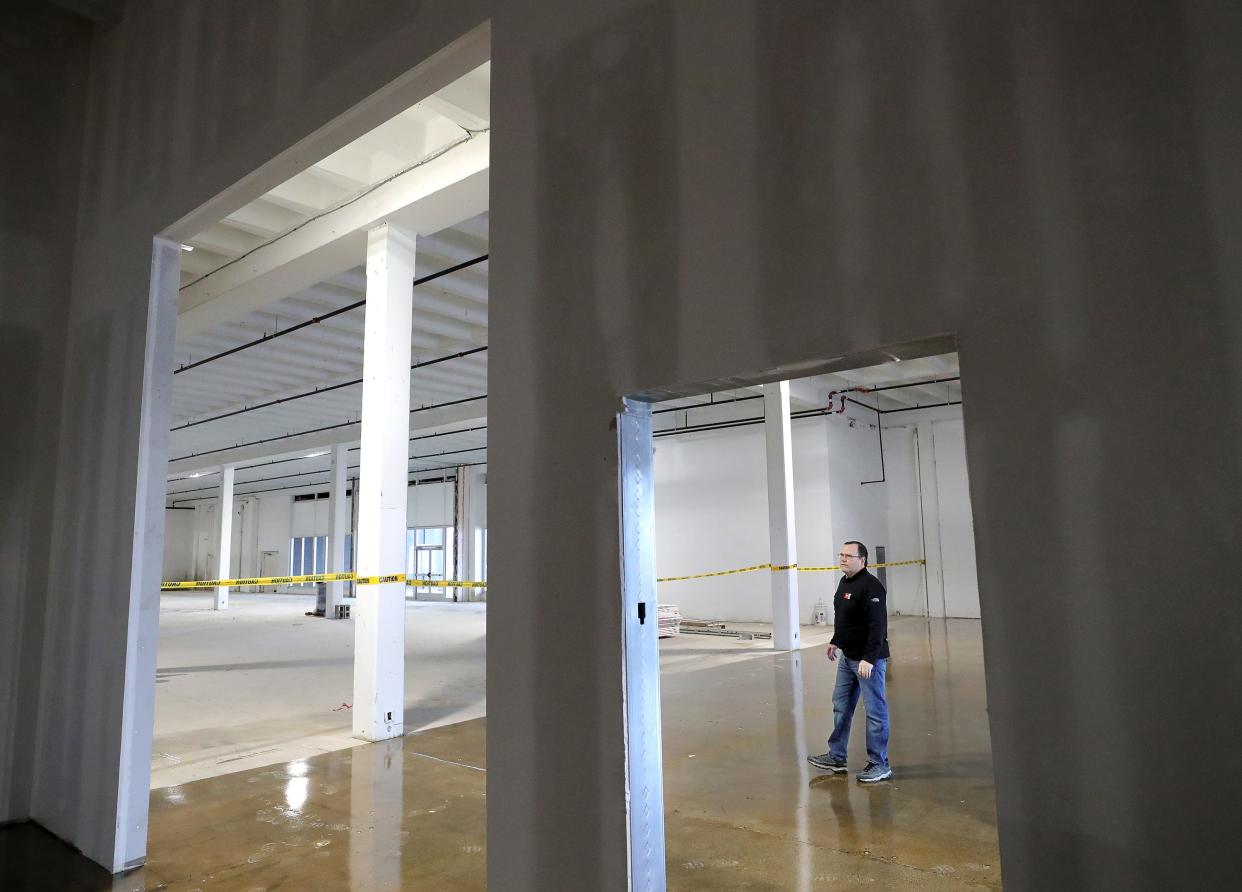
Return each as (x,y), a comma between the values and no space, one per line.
(860,637)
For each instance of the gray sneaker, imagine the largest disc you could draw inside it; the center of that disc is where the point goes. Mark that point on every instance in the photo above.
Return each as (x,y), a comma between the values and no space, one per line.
(828,762)
(874,773)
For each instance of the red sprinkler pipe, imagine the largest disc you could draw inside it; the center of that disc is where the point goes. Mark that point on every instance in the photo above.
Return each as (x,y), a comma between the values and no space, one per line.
(833,395)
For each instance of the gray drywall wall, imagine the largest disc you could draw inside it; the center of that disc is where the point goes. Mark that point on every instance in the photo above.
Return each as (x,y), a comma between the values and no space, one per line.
(42,88)
(688,192)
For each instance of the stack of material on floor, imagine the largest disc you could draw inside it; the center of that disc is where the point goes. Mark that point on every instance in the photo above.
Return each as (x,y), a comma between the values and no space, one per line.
(669,617)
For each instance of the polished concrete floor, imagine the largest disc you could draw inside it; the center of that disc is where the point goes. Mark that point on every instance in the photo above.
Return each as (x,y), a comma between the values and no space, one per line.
(743,808)
(262,683)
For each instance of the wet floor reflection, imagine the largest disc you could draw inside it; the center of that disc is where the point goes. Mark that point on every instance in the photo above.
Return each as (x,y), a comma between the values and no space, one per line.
(743,808)
(376,809)
(748,811)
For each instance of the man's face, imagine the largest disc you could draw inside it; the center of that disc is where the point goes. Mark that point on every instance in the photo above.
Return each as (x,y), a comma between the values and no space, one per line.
(851,563)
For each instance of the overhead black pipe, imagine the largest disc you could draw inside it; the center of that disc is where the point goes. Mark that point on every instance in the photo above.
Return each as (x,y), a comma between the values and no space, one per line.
(929,406)
(317,319)
(879,427)
(469,399)
(327,470)
(736,399)
(318,390)
(914,384)
(804,413)
(255,492)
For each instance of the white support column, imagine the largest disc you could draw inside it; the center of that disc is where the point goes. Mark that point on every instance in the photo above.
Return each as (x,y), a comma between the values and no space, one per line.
(476,511)
(379,624)
(784,553)
(472,521)
(338,526)
(224,555)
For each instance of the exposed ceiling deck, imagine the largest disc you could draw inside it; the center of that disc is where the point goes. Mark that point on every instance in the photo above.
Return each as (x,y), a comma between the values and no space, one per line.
(297,254)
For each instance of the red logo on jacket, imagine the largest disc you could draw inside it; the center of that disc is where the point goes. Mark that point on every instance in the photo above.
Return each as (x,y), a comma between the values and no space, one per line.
(846,596)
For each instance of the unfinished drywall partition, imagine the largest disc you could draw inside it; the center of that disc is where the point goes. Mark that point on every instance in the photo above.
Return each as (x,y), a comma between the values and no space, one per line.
(681,195)
(43,67)
(186,112)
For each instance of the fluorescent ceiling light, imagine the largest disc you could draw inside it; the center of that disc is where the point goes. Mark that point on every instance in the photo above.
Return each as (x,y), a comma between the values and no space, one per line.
(196,474)
(317,454)
(187,248)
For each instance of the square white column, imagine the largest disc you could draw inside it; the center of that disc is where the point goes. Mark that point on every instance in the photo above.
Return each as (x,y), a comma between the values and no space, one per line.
(338,527)
(379,615)
(224,555)
(781,534)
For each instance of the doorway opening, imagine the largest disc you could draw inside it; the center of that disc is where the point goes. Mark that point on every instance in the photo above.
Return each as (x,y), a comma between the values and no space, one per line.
(329,398)
(736,503)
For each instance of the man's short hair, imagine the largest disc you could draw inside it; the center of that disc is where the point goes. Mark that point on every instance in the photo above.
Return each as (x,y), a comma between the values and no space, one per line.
(862,549)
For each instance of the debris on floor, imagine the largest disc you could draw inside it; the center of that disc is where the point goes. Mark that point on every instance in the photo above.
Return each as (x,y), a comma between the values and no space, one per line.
(669,617)
(702,627)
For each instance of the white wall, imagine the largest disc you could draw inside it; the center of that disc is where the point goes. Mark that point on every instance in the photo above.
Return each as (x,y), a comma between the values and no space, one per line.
(711,513)
(907,586)
(429,505)
(276,529)
(930,512)
(858,511)
(275,519)
(178,544)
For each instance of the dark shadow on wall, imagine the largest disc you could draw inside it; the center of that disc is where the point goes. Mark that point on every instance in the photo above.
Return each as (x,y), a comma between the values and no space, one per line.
(23,554)
(1032,172)
(864,214)
(288,51)
(608,247)
(35,859)
(44,55)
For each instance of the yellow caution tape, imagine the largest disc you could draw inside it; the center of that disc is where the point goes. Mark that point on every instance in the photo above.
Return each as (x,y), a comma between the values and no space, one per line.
(445,583)
(257,580)
(717,573)
(321,577)
(468,583)
(777,567)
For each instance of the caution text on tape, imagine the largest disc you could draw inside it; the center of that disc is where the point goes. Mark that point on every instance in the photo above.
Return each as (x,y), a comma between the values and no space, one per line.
(322,577)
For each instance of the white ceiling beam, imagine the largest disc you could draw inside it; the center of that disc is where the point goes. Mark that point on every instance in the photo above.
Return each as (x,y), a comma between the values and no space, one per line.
(263,218)
(310,192)
(426,199)
(428,421)
(201,261)
(462,117)
(226,240)
(390,147)
(467,100)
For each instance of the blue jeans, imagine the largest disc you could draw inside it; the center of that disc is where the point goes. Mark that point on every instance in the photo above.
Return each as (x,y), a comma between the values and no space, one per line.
(845,698)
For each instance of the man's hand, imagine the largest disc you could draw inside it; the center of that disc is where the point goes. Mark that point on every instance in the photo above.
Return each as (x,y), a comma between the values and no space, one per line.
(832,651)
(864,669)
